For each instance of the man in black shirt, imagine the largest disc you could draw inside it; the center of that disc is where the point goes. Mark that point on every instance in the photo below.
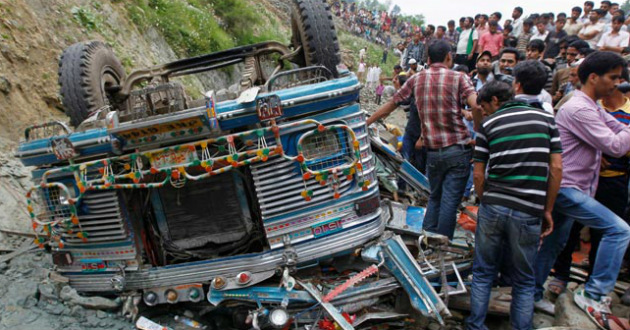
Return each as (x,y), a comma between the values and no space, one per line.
(553,40)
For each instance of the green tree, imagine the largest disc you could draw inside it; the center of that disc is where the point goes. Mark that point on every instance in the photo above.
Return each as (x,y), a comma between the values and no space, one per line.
(417,19)
(625,6)
(396,10)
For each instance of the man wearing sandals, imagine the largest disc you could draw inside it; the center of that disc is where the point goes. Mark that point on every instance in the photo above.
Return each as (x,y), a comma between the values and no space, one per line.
(586,130)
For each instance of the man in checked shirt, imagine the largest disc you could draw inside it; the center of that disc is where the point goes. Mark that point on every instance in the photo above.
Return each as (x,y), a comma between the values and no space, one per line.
(439,93)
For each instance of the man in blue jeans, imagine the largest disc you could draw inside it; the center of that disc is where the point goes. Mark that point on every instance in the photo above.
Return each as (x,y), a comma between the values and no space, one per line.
(586,131)
(520,147)
(439,93)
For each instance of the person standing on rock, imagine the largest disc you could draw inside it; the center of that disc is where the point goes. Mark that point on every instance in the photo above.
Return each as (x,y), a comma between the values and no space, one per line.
(492,41)
(519,147)
(379,92)
(439,94)
(361,71)
(587,131)
(415,51)
(467,44)
(452,35)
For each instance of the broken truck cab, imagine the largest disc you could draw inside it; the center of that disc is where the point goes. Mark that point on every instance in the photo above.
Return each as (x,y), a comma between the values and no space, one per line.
(234,196)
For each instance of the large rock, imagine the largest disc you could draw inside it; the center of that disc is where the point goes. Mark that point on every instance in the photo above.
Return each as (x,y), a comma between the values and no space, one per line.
(621,310)
(5,85)
(542,320)
(71,296)
(614,298)
(568,314)
(47,292)
(14,183)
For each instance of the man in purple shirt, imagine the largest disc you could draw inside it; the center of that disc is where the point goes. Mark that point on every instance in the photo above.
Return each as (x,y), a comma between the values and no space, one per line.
(586,130)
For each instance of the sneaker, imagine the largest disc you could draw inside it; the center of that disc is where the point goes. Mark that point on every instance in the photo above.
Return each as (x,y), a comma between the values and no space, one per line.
(588,304)
(545,306)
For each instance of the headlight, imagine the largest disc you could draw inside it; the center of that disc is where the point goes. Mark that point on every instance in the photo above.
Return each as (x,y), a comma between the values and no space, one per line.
(326,149)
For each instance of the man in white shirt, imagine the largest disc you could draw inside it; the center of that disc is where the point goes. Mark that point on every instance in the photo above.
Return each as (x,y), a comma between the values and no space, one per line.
(400,52)
(517,22)
(615,40)
(362,54)
(592,31)
(467,43)
(541,32)
(621,14)
(573,25)
(605,6)
(361,71)
(588,7)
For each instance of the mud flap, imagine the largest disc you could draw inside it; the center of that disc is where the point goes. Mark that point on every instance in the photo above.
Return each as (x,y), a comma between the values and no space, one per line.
(402,265)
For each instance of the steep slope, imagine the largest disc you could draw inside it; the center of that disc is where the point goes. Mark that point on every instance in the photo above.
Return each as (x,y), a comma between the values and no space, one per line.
(33,33)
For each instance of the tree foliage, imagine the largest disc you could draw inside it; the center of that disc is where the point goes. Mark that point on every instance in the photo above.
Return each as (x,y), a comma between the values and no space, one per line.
(396,10)
(417,19)
(374,5)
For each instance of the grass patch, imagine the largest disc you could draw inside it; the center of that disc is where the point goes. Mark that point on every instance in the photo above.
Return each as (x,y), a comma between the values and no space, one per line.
(374,53)
(86,18)
(195,27)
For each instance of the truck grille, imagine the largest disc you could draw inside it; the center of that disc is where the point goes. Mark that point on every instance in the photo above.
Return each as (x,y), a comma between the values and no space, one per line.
(279,181)
(100,216)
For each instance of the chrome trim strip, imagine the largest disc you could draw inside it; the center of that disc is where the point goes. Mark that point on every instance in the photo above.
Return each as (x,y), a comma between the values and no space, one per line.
(79,144)
(204,272)
(300,100)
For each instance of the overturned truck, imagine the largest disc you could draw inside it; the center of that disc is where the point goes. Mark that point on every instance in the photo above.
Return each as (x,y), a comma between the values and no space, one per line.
(261,198)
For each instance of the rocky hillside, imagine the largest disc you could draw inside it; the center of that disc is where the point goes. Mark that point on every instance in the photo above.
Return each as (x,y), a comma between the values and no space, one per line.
(33,33)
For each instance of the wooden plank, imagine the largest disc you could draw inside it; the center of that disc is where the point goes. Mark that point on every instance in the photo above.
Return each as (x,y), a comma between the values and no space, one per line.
(500,299)
(17,233)
(25,247)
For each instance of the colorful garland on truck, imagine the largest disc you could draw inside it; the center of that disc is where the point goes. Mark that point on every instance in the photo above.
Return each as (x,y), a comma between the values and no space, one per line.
(176,165)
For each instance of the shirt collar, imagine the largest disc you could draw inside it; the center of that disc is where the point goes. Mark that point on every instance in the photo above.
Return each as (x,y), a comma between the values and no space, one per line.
(511,104)
(587,99)
(625,107)
(480,83)
(438,66)
(526,98)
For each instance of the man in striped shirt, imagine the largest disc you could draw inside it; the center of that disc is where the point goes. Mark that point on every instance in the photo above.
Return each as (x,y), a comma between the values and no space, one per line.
(587,130)
(520,146)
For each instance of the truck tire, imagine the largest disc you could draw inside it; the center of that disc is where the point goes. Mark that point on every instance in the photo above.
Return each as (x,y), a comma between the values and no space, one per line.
(87,70)
(313,29)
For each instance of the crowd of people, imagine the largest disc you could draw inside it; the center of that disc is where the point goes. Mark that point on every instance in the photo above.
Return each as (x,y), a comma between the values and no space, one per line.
(374,25)
(538,104)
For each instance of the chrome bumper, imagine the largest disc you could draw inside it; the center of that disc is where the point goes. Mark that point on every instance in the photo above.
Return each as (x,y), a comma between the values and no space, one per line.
(257,264)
